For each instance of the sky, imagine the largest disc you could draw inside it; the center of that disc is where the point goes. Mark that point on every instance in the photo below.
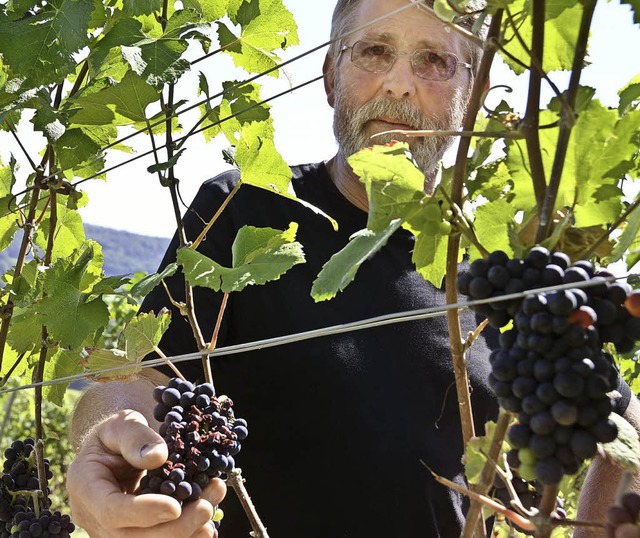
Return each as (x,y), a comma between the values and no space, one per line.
(131,199)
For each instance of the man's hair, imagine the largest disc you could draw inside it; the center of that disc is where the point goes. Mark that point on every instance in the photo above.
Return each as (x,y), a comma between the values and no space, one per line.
(344,14)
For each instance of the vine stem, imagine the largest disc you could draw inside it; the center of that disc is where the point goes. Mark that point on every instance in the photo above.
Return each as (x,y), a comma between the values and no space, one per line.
(567,121)
(216,330)
(488,472)
(453,319)
(236,481)
(215,217)
(544,524)
(531,121)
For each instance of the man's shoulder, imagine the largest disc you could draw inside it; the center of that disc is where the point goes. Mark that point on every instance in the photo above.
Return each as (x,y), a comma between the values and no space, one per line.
(304,176)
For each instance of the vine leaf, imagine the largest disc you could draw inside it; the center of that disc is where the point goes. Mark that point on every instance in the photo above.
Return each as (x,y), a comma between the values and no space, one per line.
(143,333)
(162,56)
(70,316)
(625,450)
(491,224)
(561,32)
(476,453)
(395,186)
(63,363)
(105,359)
(266,26)
(40,47)
(342,267)
(630,93)
(260,255)
(260,163)
(128,99)
(145,285)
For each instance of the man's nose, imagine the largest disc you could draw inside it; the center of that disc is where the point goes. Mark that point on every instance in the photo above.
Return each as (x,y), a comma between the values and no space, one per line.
(400,80)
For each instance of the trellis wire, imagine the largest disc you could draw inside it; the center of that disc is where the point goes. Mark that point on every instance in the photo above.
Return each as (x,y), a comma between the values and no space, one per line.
(369,323)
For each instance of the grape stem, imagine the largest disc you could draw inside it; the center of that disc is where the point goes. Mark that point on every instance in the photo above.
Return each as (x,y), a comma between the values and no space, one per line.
(236,481)
(512,516)
(168,362)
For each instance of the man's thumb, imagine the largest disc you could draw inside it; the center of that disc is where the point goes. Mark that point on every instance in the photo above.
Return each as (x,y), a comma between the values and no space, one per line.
(128,434)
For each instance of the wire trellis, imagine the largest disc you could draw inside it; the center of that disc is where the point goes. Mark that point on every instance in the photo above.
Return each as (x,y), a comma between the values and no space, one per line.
(369,323)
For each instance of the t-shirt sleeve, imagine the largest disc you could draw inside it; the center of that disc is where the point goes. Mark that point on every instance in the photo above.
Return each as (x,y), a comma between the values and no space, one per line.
(179,338)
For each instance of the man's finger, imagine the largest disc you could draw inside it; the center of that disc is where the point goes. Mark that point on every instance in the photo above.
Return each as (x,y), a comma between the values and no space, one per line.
(129,435)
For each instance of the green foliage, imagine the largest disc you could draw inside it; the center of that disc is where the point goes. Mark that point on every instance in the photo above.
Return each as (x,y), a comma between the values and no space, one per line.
(260,255)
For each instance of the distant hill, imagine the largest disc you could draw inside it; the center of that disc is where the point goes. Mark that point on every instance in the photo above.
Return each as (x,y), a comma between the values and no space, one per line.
(124,252)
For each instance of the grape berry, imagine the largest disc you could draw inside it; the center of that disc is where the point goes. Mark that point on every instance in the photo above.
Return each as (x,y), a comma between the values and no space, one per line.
(202,435)
(19,517)
(550,369)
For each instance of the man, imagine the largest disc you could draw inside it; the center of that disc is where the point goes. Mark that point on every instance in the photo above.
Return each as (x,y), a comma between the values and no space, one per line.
(342,428)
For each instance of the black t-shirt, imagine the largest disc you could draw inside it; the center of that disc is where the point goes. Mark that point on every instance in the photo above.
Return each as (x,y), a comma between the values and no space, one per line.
(343,429)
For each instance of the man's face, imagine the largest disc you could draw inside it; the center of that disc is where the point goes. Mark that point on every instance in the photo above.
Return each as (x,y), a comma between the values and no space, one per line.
(366,103)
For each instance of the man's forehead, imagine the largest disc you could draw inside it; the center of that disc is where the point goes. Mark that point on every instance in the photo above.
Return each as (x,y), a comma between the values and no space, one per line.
(415,24)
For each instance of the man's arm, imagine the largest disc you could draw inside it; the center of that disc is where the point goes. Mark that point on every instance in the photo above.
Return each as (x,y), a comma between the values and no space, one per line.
(111,433)
(601,483)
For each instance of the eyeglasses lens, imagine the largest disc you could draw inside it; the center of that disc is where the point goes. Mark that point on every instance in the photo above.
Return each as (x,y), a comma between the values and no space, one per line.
(427,64)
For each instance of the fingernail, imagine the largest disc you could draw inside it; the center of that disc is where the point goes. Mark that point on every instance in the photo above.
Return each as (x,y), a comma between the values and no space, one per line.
(147,448)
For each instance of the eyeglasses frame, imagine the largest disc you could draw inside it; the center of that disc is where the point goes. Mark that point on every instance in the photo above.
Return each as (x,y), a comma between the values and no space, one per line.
(459,62)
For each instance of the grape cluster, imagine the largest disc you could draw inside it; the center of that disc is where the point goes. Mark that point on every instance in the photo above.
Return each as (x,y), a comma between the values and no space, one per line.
(623,519)
(202,435)
(47,524)
(23,513)
(550,368)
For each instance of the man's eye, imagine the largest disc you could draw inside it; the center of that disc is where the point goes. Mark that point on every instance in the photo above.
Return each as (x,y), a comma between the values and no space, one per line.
(375,50)
(435,59)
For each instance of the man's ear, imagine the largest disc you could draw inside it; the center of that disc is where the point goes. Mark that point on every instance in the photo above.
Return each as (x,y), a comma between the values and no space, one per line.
(328,70)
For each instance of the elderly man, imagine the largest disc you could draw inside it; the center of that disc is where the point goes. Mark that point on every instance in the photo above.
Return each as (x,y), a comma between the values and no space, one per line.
(344,427)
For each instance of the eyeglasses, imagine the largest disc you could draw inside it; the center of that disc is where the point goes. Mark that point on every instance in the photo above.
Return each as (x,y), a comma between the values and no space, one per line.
(427,64)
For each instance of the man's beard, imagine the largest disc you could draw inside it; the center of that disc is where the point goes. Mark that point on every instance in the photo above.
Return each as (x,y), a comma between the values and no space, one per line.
(350,127)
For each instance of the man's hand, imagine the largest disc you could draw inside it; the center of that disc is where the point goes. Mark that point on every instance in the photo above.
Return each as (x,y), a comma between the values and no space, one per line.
(107,471)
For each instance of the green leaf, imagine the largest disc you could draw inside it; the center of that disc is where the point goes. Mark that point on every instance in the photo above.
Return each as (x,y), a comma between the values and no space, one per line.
(68,235)
(124,32)
(162,56)
(476,452)
(143,333)
(145,285)
(105,359)
(132,8)
(78,154)
(69,315)
(394,184)
(161,167)
(266,26)
(342,267)
(260,255)
(629,95)
(429,256)
(491,224)
(41,47)
(213,9)
(561,31)
(25,331)
(628,237)
(128,99)
(625,450)
(63,363)
(260,163)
